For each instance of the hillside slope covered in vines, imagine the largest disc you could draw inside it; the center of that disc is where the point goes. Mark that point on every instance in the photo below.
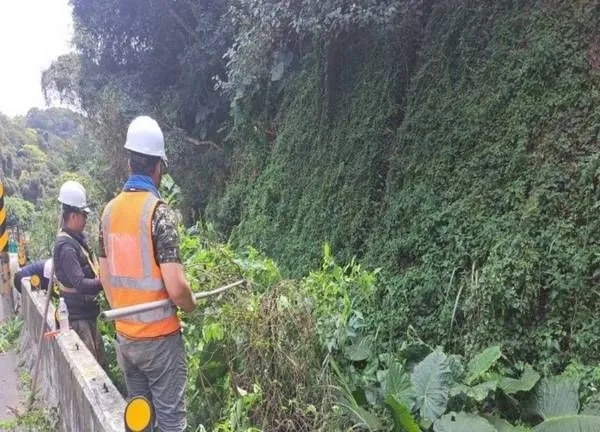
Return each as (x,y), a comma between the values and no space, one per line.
(460,157)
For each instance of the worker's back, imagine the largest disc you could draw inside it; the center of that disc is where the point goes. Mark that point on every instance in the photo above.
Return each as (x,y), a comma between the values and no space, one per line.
(134,275)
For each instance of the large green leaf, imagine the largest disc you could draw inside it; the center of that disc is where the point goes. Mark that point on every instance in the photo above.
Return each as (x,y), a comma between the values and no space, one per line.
(457,367)
(528,380)
(481,363)
(363,417)
(478,392)
(482,390)
(574,423)
(431,381)
(414,353)
(396,382)
(556,397)
(348,402)
(403,419)
(462,422)
(458,389)
(502,425)
(358,351)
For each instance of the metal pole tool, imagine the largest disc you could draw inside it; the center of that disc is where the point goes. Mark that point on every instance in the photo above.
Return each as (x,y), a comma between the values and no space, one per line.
(123,312)
(38,358)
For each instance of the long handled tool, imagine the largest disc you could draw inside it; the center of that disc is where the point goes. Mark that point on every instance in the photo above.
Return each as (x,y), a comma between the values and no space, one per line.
(119,313)
(36,368)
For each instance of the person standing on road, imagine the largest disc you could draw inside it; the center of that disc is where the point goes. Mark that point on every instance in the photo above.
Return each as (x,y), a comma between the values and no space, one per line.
(76,269)
(139,263)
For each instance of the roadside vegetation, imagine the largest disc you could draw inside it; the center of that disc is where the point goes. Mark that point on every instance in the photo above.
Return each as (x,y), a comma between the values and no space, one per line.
(410,186)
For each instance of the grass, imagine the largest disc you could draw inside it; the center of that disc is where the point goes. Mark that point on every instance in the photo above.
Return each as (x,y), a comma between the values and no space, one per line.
(36,418)
(9,333)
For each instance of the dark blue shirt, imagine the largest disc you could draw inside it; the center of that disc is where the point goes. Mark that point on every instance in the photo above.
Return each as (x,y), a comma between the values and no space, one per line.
(35,268)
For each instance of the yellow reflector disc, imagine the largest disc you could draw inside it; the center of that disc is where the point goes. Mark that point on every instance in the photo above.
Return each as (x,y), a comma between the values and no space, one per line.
(35,281)
(138,414)
(22,259)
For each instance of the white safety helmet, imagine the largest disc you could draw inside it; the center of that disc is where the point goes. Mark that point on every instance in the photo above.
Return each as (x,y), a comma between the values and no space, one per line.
(144,136)
(72,194)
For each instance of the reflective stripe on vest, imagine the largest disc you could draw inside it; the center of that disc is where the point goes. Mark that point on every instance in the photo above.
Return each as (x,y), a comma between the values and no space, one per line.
(134,276)
(153,315)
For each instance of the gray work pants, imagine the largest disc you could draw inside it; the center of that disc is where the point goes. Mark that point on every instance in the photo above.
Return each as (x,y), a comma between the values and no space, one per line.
(157,370)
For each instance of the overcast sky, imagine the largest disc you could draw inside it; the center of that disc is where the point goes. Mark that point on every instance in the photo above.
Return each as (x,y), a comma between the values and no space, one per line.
(32,34)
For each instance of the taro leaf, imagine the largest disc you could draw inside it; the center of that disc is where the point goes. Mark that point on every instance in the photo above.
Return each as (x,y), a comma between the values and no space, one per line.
(462,422)
(478,392)
(397,383)
(502,425)
(457,367)
(348,402)
(362,416)
(414,353)
(527,381)
(458,389)
(403,418)
(481,391)
(556,397)
(575,423)
(358,351)
(431,380)
(481,363)
(372,395)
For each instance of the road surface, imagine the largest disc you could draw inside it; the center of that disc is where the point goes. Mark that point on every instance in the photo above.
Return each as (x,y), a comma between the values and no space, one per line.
(11,392)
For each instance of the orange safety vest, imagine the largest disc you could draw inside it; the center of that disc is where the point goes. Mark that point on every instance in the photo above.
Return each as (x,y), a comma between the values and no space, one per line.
(134,276)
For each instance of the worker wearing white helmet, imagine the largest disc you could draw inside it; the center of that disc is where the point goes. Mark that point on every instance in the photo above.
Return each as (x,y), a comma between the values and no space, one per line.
(139,264)
(76,269)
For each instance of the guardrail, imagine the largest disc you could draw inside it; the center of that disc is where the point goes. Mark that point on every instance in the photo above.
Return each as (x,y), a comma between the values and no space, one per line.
(70,378)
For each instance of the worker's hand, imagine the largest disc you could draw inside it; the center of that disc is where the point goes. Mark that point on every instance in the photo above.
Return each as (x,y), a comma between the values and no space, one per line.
(177,286)
(191,306)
